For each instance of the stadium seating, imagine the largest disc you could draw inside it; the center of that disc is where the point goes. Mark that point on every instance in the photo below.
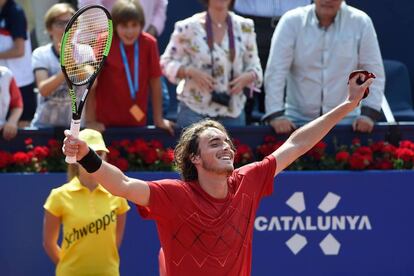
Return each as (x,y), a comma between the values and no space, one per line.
(398,90)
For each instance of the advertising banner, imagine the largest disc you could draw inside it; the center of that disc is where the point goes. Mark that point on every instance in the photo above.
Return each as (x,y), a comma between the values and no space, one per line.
(314,224)
(336,223)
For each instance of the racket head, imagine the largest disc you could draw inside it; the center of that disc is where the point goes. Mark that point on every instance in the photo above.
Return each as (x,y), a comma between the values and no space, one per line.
(85,44)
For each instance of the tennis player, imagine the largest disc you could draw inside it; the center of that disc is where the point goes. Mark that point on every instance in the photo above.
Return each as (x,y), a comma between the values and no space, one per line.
(205,221)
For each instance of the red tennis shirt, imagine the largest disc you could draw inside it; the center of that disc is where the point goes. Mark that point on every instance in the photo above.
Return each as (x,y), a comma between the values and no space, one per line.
(202,235)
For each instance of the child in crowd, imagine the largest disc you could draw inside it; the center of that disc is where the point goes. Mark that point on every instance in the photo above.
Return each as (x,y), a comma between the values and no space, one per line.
(15,54)
(132,66)
(11,103)
(54,102)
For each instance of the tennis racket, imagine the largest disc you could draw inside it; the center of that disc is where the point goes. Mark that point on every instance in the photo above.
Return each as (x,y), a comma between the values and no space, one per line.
(84,47)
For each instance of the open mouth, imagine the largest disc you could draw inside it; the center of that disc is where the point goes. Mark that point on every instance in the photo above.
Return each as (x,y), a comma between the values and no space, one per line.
(226,157)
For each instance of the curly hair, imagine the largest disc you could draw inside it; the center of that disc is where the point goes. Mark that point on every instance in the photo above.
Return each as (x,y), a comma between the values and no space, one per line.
(188,146)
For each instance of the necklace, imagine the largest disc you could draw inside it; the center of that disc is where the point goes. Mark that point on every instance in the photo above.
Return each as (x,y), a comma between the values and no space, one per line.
(219,25)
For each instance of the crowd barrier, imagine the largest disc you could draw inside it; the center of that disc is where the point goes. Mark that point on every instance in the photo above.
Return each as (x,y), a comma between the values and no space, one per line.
(315,223)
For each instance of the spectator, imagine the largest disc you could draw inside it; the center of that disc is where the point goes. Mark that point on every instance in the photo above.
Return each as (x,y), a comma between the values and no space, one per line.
(54,103)
(11,104)
(93,221)
(225,63)
(15,54)
(265,15)
(132,67)
(155,13)
(313,50)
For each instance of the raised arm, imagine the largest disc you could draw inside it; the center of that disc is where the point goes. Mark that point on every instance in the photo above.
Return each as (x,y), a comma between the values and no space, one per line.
(109,176)
(304,138)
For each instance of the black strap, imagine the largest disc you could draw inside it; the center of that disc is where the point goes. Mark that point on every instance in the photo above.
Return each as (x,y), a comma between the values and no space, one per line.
(210,41)
(373,114)
(91,162)
(273,115)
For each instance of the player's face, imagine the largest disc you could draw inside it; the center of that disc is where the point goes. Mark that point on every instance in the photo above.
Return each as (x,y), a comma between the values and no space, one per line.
(215,152)
(327,8)
(58,27)
(128,32)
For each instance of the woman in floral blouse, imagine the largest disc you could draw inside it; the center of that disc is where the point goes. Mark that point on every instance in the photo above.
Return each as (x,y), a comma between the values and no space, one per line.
(211,55)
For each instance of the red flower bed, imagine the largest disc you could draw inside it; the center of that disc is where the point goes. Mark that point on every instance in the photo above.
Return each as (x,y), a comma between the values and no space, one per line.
(141,155)
(47,158)
(378,155)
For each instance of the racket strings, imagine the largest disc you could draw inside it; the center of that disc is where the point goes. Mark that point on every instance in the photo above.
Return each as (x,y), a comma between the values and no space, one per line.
(86,42)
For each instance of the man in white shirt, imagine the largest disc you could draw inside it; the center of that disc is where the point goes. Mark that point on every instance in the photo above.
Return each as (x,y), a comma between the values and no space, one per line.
(314,48)
(265,15)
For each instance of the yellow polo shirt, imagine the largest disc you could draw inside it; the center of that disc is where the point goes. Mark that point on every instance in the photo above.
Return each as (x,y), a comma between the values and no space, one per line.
(89,229)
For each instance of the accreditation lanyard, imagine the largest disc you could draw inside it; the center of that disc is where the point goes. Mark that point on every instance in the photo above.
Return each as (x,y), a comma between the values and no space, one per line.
(133,87)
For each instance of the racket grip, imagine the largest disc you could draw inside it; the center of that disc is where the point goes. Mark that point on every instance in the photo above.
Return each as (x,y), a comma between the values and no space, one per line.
(74,130)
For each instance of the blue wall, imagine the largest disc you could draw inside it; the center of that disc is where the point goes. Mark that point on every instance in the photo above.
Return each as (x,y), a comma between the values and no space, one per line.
(384,248)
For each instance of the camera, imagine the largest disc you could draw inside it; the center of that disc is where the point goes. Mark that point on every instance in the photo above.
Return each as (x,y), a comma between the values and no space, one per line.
(220,98)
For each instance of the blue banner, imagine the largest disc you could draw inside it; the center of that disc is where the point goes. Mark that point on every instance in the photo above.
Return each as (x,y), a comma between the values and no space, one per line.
(336,223)
(315,223)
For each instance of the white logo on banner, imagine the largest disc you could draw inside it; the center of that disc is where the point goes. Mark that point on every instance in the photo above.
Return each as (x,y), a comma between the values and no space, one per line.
(329,245)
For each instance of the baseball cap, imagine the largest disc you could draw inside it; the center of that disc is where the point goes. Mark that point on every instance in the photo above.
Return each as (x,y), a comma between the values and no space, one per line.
(94,139)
